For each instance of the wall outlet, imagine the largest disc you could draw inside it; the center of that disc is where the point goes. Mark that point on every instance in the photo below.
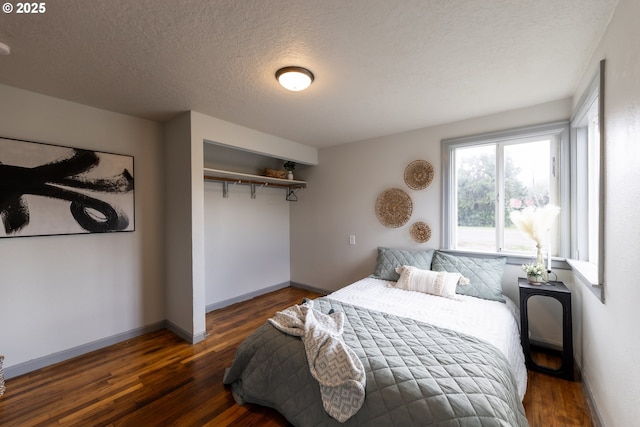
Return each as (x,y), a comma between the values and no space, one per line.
(352,240)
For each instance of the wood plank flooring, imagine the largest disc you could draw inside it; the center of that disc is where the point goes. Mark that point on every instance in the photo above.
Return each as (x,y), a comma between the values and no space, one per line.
(160,380)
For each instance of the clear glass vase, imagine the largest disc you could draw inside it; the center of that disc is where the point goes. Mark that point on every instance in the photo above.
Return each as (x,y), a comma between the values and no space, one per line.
(540,260)
(535,280)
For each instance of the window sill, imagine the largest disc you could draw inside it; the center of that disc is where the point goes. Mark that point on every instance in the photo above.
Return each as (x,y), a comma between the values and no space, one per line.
(587,274)
(584,272)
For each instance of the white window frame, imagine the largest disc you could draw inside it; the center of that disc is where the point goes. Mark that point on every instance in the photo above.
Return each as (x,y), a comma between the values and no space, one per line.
(558,130)
(592,272)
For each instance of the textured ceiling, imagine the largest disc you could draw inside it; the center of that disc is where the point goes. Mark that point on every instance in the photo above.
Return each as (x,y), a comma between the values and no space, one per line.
(381,66)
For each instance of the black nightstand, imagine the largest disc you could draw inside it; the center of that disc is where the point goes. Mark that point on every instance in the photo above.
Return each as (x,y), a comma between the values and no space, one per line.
(561,293)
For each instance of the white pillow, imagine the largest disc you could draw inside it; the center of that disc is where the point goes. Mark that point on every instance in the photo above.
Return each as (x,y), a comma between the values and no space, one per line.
(438,283)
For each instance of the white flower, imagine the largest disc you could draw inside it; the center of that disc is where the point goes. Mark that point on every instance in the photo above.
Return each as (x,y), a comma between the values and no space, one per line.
(535,222)
(534,269)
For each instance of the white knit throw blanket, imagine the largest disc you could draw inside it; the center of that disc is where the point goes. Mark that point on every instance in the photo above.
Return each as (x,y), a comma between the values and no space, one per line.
(332,363)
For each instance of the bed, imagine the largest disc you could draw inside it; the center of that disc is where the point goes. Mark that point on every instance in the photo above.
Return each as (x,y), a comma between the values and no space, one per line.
(426,360)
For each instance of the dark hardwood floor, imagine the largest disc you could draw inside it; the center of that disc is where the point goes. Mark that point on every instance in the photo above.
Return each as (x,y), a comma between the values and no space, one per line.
(160,380)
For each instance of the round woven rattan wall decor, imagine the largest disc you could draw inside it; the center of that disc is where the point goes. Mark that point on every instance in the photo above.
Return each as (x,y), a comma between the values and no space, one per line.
(418,174)
(393,208)
(420,232)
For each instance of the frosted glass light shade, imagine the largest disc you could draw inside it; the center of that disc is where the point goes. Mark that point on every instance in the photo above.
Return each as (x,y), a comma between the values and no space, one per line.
(294,78)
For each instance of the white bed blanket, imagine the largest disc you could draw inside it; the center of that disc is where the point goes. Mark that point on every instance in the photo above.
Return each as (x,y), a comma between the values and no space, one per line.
(331,362)
(491,321)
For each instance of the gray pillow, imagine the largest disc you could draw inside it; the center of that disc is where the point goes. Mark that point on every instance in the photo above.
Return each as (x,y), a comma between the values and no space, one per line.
(390,259)
(484,274)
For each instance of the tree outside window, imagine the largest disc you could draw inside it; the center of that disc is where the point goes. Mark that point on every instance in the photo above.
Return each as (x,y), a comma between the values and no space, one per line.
(489,177)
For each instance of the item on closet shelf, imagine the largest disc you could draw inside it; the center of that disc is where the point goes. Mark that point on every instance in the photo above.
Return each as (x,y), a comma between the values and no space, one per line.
(272,173)
(290,167)
(418,174)
(420,232)
(393,208)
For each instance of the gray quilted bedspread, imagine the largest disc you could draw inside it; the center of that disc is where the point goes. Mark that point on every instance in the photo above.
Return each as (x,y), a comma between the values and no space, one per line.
(417,375)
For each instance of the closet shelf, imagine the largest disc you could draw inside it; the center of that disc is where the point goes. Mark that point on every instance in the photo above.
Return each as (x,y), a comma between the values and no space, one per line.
(227,177)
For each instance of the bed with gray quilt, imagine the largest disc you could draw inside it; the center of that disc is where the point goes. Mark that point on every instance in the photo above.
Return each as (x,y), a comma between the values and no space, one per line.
(410,359)
(416,374)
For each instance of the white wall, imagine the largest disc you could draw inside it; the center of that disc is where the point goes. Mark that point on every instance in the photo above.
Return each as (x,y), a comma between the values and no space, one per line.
(246,241)
(341,195)
(61,292)
(219,131)
(185,311)
(62,295)
(611,337)
(186,231)
(342,190)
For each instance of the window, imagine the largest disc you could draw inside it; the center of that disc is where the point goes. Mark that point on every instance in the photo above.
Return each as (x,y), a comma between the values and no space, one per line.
(587,183)
(487,176)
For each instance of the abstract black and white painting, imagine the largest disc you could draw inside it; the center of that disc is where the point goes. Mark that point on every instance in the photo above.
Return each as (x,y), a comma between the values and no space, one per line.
(49,189)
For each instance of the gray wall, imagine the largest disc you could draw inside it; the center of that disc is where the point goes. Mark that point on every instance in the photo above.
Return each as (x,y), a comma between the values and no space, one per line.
(341,195)
(343,188)
(103,285)
(611,337)
(246,241)
(61,292)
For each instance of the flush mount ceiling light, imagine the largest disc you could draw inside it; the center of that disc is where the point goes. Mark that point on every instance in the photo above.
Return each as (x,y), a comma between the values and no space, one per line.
(294,78)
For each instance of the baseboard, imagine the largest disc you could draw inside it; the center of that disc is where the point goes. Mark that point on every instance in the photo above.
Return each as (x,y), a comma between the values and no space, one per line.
(309,288)
(247,296)
(42,362)
(187,336)
(596,419)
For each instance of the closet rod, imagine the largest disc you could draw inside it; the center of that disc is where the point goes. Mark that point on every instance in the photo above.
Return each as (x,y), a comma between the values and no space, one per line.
(290,187)
(249,182)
